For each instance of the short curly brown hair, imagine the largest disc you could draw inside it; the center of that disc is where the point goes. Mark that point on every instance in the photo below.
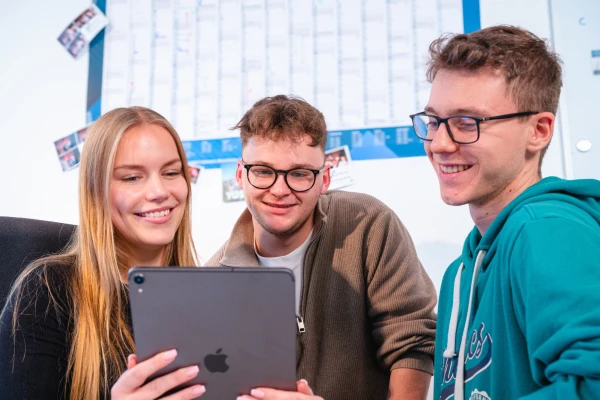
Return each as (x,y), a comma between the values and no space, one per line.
(532,70)
(283,117)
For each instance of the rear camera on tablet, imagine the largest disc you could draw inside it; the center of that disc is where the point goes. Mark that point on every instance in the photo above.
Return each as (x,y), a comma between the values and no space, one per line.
(139,279)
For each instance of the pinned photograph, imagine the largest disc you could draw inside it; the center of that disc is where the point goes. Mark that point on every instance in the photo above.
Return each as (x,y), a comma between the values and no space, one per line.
(65,144)
(70,160)
(69,148)
(68,35)
(231,191)
(82,135)
(339,162)
(596,62)
(77,46)
(194,173)
(87,16)
(80,32)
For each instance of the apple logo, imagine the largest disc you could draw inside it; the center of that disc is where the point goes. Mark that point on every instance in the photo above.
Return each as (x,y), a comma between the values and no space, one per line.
(216,362)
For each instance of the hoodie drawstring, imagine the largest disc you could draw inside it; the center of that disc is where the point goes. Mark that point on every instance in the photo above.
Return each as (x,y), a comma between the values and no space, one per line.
(449,352)
(459,382)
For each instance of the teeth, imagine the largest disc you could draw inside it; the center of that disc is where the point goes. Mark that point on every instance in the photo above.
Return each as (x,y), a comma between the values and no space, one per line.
(156,214)
(276,206)
(454,169)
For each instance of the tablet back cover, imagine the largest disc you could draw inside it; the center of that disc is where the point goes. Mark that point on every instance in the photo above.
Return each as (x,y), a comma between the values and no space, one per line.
(237,324)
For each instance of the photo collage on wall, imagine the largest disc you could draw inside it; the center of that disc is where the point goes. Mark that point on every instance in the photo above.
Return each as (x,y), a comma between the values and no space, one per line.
(69,149)
(80,32)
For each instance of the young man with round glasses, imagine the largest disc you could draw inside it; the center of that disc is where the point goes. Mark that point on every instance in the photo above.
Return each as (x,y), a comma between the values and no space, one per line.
(364,302)
(519,314)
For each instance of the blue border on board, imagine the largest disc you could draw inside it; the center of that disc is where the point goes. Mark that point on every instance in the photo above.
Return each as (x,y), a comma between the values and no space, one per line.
(364,144)
(94,92)
(471,16)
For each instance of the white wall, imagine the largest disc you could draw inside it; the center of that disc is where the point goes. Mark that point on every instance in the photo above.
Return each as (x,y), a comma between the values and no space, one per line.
(579,23)
(42,98)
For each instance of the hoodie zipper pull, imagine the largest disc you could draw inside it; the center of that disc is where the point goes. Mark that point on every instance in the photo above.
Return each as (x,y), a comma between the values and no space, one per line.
(300,322)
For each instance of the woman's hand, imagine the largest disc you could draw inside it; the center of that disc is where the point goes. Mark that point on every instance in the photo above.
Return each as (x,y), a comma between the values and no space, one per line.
(130,385)
(303,392)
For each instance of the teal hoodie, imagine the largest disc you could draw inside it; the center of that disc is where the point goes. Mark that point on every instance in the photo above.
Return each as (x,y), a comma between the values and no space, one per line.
(529,293)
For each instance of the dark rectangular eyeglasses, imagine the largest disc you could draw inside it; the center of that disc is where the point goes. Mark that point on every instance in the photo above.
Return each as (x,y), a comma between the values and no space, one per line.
(462,129)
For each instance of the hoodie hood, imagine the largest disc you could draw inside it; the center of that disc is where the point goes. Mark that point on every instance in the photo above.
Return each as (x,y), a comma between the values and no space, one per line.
(478,251)
(583,193)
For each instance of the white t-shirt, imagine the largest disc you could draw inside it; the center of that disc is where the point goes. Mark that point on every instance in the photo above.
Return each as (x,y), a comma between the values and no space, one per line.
(292,261)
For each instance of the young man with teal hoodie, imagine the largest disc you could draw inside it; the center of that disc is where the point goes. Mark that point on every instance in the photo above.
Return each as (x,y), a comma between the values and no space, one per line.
(519,310)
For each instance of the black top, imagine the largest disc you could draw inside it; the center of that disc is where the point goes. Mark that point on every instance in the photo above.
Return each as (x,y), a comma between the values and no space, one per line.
(33,363)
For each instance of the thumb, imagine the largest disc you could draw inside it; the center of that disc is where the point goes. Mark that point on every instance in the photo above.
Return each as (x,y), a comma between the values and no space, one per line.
(302,387)
(131,361)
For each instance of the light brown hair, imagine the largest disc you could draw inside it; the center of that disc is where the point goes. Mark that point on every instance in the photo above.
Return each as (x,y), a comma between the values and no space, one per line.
(101,338)
(532,70)
(283,118)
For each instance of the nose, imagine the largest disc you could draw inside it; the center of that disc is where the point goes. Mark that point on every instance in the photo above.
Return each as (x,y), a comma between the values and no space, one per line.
(280,187)
(156,190)
(442,142)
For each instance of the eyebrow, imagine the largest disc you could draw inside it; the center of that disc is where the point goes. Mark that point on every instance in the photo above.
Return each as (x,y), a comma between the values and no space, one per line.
(467,112)
(134,166)
(294,166)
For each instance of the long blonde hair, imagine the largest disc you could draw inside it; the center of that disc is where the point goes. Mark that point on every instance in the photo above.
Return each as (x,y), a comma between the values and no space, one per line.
(101,337)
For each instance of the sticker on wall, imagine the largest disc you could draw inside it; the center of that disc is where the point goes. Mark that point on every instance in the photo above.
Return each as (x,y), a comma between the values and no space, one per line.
(596,62)
(339,161)
(231,191)
(80,32)
(69,149)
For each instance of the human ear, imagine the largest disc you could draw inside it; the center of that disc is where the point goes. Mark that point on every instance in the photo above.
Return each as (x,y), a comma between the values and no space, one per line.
(541,134)
(326,179)
(239,173)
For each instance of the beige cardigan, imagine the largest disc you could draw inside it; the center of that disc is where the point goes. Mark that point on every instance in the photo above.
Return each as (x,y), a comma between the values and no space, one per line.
(366,301)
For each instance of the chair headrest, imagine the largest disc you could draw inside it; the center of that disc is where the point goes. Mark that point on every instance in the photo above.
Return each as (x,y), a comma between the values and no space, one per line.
(23,240)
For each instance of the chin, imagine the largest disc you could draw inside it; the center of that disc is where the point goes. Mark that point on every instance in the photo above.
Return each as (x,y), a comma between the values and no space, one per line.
(157,242)
(453,200)
(280,229)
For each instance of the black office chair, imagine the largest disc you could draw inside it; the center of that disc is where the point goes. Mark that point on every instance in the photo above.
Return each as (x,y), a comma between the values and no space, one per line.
(23,240)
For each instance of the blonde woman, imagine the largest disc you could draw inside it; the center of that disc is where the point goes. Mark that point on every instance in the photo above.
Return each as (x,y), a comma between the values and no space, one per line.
(66,330)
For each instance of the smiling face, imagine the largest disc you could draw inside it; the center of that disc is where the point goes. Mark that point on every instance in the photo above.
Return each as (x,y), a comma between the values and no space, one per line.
(148,190)
(503,162)
(278,211)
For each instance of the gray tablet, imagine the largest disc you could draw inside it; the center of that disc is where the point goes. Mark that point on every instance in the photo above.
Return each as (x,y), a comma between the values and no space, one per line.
(237,324)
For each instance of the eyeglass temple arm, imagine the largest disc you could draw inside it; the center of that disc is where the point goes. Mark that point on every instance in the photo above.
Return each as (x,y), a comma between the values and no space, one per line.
(519,114)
